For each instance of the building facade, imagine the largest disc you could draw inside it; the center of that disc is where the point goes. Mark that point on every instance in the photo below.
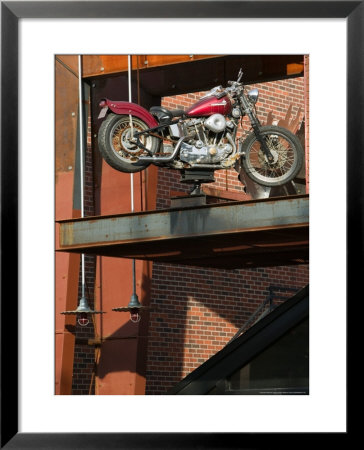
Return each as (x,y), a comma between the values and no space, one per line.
(194,311)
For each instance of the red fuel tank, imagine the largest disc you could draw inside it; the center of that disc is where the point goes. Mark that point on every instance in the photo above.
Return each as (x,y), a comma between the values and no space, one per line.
(210,105)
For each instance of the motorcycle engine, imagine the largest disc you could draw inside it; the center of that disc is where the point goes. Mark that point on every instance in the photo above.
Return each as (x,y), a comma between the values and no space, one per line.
(204,154)
(209,145)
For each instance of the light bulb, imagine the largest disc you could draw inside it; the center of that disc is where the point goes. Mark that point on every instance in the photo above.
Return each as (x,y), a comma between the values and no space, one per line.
(134,315)
(83,319)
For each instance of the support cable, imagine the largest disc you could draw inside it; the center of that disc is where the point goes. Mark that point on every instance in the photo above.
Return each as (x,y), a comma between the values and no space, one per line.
(131,132)
(131,175)
(80,97)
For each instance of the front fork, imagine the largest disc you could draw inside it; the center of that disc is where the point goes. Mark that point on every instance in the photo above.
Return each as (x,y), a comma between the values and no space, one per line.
(263,143)
(256,128)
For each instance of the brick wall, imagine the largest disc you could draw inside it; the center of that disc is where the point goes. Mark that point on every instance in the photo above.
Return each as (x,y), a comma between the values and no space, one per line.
(196,311)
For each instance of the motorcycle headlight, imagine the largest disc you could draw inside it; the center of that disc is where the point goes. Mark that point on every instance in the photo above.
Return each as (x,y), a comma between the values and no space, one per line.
(253,95)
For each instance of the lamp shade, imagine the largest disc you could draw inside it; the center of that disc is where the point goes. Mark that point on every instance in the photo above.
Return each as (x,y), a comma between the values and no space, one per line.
(133,304)
(83,307)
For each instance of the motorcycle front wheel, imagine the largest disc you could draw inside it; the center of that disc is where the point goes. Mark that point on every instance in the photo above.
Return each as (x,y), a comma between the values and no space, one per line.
(287,152)
(116,143)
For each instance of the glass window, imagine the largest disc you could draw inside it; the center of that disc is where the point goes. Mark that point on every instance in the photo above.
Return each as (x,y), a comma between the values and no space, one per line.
(282,368)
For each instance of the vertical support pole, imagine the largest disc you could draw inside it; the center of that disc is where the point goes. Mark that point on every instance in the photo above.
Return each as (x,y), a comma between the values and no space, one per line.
(131,175)
(131,131)
(80,108)
(66,201)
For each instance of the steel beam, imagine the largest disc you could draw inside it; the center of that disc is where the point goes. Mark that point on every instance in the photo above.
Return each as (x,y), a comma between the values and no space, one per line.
(199,235)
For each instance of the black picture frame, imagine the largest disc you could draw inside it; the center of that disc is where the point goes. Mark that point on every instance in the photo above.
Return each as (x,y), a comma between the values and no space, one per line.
(11,13)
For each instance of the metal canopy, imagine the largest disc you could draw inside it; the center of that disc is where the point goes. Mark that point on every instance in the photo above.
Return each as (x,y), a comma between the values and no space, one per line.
(267,232)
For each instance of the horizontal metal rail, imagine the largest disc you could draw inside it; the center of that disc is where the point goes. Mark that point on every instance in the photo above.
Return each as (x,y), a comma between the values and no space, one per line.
(201,221)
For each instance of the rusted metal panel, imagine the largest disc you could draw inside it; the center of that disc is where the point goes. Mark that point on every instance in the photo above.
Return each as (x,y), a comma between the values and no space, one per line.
(66,266)
(162,60)
(294,68)
(113,281)
(66,289)
(113,288)
(116,367)
(66,119)
(70,62)
(96,65)
(230,235)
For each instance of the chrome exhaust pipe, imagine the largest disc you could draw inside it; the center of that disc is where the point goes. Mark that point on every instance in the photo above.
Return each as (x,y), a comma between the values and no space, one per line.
(163,158)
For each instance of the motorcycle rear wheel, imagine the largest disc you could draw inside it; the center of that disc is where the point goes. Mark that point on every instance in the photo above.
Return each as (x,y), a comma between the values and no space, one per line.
(287,152)
(115,145)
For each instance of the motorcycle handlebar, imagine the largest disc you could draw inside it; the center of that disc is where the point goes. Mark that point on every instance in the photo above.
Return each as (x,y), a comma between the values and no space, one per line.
(221,94)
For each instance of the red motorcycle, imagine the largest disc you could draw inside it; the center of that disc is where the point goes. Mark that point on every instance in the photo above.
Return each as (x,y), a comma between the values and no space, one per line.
(201,139)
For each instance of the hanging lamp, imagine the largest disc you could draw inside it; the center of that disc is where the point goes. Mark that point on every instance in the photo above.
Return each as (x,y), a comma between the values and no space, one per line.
(134,306)
(83,310)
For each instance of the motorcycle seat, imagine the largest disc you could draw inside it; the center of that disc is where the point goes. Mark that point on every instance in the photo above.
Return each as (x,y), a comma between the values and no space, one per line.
(165,115)
(177,112)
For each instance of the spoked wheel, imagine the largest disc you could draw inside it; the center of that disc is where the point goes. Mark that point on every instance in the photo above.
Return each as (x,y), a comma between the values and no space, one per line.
(117,145)
(287,152)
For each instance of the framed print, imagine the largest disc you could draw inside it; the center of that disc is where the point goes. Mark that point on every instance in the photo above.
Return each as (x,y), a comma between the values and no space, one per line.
(22,271)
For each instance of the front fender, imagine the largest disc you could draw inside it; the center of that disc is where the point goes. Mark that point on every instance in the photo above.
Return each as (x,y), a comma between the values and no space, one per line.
(120,107)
